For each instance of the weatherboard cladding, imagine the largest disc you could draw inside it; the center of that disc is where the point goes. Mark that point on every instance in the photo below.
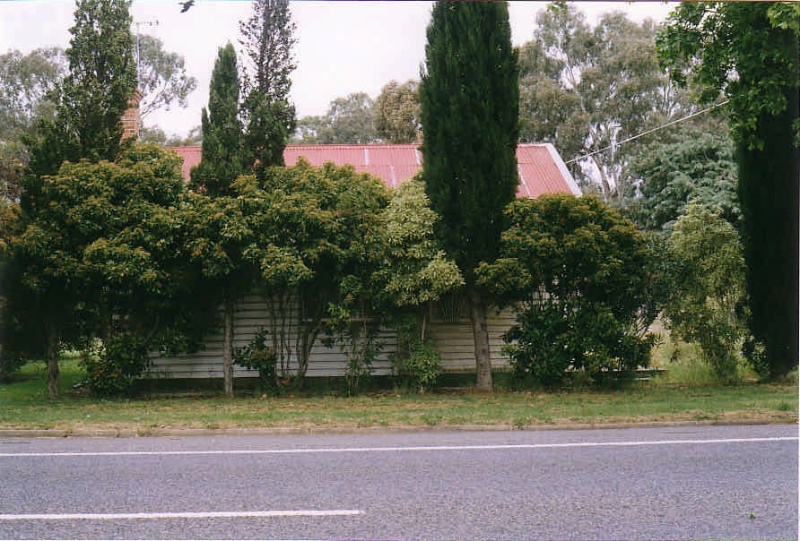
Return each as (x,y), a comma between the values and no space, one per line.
(541,169)
(453,335)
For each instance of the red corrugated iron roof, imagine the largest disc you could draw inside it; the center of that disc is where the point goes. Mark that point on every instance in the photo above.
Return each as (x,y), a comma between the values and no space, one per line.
(541,169)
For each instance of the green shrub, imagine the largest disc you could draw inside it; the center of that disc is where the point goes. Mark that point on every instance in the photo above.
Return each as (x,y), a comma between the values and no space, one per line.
(550,339)
(112,368)
(707,304)
(257,355)
(417,369)
(585,285)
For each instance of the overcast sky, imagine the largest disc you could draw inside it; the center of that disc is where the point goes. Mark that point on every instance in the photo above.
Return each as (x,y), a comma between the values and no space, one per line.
(343,46)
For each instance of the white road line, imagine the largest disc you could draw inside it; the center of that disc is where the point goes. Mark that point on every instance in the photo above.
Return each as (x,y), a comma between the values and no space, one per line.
(332,450)
(156,516)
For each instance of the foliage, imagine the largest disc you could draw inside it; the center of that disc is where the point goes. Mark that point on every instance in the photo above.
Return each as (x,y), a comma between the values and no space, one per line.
(414,273)
(91,99)
(104,254)
(707,303)
(267,39)
(582,281)
(700,168)
(749,52)
(553,337)
(157,135)
(257,355)
(358,340)
(742,50)
(469,97)
(349,120)
(397,112)
(222,148)
(417,363)
(327,261)
(223,160)
(417,270)
(585,89)
(25,83)
(162,77)
(112,370)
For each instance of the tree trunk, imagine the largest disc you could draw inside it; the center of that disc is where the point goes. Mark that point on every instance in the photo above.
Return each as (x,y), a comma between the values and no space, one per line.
(480,334)
(227,348)
(52,362)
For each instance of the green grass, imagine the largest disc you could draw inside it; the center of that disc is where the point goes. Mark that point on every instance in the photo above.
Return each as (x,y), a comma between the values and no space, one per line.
(24,405)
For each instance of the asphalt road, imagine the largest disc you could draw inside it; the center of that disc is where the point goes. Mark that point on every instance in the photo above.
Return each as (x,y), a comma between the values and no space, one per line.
(665,483)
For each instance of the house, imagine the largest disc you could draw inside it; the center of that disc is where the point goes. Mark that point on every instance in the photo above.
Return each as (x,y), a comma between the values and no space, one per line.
(541,170)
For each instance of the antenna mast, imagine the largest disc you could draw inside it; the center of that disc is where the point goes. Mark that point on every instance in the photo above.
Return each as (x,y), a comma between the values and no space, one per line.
(138,25)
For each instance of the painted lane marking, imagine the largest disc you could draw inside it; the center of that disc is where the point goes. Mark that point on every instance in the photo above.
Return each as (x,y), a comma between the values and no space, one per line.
(156,516)
(333,450)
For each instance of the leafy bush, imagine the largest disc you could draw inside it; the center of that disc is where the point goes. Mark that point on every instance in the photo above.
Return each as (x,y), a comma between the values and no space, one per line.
(112,369)
(585,285)
(709,298)
(257,355)
(550,339)
(418,367)
(417,363)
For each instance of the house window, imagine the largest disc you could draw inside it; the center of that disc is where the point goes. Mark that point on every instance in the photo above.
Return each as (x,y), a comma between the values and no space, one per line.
(450,309)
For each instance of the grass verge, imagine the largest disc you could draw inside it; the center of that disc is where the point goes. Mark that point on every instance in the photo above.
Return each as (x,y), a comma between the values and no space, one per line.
(24,405)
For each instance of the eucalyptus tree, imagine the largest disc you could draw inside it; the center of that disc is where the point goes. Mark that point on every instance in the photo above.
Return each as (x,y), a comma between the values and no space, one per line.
(26,80)
(163,79)
(397,112)
(586,89)
(469,97)
(749,52)
(270,118)
(348,121)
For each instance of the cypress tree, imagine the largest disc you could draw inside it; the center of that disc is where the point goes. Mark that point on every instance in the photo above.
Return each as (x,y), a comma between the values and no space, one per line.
(92,98)
(469,97)
(222,147)
(268,38)
(221,164)
(769,191)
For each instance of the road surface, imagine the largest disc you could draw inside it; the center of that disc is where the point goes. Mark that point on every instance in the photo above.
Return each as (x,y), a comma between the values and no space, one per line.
(655,483)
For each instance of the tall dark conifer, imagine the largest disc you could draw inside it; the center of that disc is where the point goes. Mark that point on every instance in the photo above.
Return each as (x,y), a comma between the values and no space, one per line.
(222,161)
(469,97)
(92,98)
(221,164)
(268,38)
(769,191)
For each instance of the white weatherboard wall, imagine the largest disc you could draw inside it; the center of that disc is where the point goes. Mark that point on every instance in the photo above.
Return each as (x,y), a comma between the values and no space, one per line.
(449,326)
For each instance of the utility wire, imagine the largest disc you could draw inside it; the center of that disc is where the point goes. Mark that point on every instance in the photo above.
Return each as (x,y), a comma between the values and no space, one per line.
(648,132)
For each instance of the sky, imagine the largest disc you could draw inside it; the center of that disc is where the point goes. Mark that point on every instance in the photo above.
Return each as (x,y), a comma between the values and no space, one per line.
(342,46)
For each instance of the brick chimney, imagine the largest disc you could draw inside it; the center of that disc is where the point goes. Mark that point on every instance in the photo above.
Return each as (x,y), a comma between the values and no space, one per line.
(131,121)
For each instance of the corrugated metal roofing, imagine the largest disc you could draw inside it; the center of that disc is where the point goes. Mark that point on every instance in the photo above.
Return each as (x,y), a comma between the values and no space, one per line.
(541,169)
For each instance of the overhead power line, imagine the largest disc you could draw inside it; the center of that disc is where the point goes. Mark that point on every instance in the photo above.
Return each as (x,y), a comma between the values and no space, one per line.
(648,132)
